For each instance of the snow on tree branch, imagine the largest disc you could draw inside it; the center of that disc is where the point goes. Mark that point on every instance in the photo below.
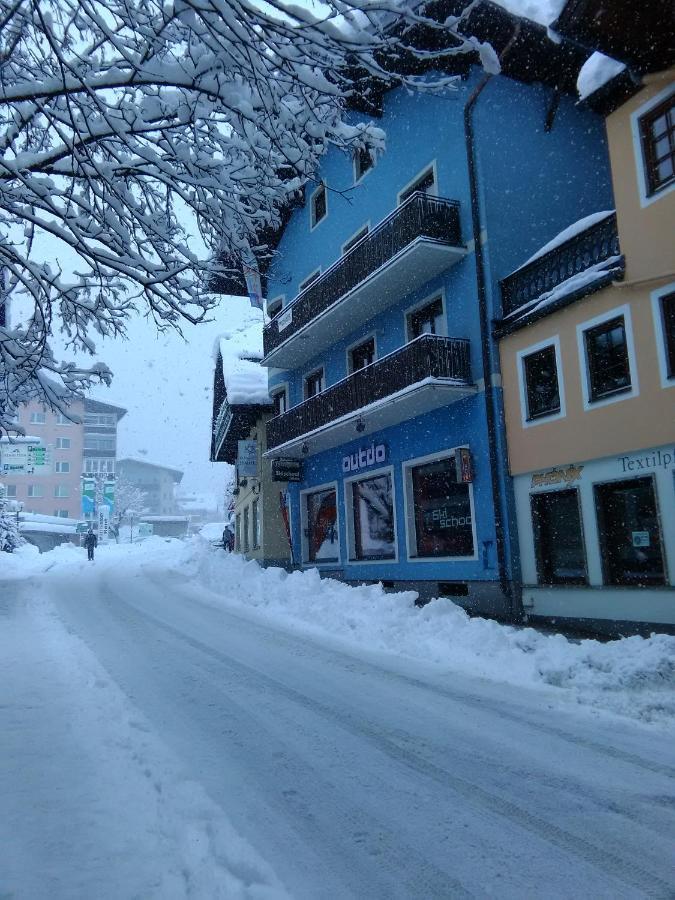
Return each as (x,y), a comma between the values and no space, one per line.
(126,125)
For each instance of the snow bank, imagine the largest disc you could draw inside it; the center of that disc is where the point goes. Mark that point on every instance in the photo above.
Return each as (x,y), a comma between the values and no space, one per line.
(633,676)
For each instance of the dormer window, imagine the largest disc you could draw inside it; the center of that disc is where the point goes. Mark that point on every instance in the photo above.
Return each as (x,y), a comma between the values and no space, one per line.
(319,205)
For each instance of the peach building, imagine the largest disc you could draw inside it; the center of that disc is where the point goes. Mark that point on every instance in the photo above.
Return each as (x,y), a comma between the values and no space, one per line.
(587,348)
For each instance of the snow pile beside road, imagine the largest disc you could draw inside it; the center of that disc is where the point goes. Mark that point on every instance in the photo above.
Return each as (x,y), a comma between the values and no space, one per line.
(634,676)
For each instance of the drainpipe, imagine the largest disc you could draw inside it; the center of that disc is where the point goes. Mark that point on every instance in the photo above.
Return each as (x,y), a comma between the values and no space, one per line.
(513,606)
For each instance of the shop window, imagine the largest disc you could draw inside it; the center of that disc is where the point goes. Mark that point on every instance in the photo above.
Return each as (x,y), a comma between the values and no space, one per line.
(319,205)
(255,517)
(363,162)
(424,183)
(541,383)
(630,536)
(362,355)
(558,537)
(607,357)
(322,531)
(657,135)
(373,517)
(280,400)
(361,233)
(427,319)
(314,384)
(245,531)
(668,321)
(442,509)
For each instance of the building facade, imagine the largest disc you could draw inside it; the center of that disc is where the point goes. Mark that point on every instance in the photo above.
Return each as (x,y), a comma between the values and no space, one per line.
(157,481)
(588,362)
(382,363)
(100,437)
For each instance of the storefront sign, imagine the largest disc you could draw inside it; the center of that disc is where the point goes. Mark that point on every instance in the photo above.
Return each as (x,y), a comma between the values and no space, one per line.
(442,517)
(286,470)
(366,456)
(652,459)
(247,459)
(557,476)
(285,319)
(464,465)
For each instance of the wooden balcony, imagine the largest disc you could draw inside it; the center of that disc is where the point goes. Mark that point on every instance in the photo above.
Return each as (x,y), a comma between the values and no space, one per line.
(594,245)
(429,372)
(416,242)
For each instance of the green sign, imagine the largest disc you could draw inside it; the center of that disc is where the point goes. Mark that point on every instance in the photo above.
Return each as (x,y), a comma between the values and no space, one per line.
(81,528)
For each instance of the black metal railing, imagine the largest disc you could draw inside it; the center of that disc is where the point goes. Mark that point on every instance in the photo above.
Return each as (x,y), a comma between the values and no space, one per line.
(222,424)
(594,245)
(420,216)
(428,356)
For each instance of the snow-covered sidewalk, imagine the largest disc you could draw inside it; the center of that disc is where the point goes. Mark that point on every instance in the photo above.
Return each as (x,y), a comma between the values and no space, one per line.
(633,677)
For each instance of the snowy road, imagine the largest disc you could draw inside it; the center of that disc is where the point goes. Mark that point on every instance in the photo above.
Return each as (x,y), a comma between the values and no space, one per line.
(373,777)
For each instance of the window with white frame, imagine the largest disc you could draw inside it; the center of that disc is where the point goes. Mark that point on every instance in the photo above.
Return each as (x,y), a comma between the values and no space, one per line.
(540,382)
(363,162)
(657,138)
(63,443)
(558,537)
(424,183)
(99,419)
(664,315)
(318,205)
(35,490)
(105,466)
(61,513)
(62,467)
(440,510)
(280,400)
(607,360)
(61,490)
(38,418)
(370,502)
(361,355)
(62,420)
(321,529)
(314,383)
(426,319)
(98,442)
(10,491)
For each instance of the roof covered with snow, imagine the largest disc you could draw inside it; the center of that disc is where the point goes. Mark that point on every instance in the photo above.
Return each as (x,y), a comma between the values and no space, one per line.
(240,352)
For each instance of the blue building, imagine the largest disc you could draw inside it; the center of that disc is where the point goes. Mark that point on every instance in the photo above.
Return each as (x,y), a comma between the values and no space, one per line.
(382,365)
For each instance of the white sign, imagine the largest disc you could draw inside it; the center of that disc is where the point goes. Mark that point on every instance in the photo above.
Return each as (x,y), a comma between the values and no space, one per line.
(366,456)
(285,319)
(24,459)
(247,459)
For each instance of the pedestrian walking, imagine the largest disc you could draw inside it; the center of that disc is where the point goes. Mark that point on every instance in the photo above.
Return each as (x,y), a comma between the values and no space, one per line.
(90,541)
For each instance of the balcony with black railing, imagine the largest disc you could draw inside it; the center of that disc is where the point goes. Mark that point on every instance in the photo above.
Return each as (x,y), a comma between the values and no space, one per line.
(589,248)
(414,243)
(429,372)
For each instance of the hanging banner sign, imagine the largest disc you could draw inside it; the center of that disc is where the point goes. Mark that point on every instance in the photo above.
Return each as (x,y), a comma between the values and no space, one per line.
(109,495)
(247,459)
(88,496)
(287,470)
(464,465)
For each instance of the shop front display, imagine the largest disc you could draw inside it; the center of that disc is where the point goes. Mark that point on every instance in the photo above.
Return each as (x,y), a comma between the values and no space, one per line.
(373,512)
(322,534)
(443,517)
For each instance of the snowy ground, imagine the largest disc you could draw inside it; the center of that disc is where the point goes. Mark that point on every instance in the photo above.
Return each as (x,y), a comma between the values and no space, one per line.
(179,723)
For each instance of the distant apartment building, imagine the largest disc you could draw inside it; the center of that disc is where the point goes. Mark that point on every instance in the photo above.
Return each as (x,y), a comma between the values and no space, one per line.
(155,480)
(100,437)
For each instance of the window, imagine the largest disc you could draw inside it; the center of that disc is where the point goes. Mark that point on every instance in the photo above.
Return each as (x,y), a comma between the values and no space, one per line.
(630,536)
(280,400)
(10,491)
(245,532)
(255,516)
(61,490)
(442,511)
(425,183)
(372,506)
(99,419)
(558,537)
(105,466)
(322,532)
(63,443)
(318,204)
(98,442)
(607,359)
(63,420)
(274,306)
(541,383)
(310,278)
(362,355)
(61,513)
(363,162)
(314,384)
(657,138)
(426,319)
(35,490)
(667,310)
(37,418)
(361,233)
(62,467)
